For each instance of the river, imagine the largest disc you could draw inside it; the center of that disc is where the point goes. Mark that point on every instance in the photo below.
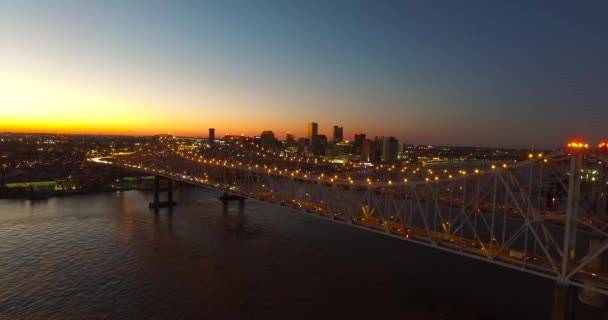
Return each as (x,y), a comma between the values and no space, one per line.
(108,256)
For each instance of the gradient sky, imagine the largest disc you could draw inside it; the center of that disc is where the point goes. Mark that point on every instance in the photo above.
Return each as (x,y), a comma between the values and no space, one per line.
(490,73)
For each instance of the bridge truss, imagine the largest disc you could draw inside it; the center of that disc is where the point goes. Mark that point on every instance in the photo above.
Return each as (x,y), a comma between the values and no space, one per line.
(547,216)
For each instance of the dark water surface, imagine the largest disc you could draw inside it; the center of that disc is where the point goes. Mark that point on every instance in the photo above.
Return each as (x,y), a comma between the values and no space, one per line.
(107,256)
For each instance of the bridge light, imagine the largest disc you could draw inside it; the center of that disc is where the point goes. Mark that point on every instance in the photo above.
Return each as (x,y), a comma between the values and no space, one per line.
(577,145)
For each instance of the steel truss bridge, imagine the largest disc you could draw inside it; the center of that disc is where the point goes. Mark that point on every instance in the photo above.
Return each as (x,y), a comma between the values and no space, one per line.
(547,215)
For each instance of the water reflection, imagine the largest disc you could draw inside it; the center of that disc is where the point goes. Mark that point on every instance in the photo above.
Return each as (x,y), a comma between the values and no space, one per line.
(110,256)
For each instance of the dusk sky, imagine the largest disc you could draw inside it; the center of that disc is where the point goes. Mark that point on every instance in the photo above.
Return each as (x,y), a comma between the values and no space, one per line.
(488,73)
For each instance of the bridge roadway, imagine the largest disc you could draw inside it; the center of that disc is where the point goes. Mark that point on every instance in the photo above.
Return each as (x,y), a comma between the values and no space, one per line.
(470,244)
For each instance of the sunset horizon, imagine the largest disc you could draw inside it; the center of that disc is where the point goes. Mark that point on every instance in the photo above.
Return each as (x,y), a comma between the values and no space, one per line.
(451,76)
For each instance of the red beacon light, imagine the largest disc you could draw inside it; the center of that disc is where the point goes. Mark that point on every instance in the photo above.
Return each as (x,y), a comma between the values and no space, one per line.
(603,146)
(578,145)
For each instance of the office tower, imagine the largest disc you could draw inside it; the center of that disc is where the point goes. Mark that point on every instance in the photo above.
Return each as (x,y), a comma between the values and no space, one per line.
(366,150)
(338,134)
(290,137)
(302,144)
(358,144)
(342,149)
(268,140)
(390,149)
(321,144)
(290,143)
(313,139)
(211,139)
(377,148)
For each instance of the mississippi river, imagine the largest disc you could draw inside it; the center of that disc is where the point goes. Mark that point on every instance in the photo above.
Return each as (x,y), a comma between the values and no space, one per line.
(108,256)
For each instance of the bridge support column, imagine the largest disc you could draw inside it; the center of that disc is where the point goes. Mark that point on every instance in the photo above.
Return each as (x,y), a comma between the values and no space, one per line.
(225,198)
(156,203)
(564,299)
(599,264)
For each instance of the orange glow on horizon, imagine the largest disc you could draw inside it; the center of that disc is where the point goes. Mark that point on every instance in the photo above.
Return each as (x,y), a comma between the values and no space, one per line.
(37,105)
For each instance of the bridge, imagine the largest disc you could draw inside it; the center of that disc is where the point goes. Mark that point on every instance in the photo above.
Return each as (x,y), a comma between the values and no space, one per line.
(547,215)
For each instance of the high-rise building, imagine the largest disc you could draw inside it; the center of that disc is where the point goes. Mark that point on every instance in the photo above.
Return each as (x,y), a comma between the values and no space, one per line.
(313,131)
(321,144)
(377,148)
(358,144)
(313,137)
(268,140)
(211,139)
(302,144)
(390,149)
(290,137)
(366,150)
(338,134)
(290,143)
(342,149)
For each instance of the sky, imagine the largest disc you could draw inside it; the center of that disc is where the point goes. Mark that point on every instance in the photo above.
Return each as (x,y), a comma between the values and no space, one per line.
(474,73)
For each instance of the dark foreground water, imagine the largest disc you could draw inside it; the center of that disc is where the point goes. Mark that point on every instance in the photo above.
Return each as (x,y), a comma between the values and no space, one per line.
(107,256)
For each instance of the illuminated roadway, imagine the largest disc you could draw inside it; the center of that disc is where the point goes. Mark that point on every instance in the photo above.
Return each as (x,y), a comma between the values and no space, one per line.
(494,218)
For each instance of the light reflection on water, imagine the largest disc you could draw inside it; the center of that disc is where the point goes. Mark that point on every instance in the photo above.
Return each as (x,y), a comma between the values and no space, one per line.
(107,256)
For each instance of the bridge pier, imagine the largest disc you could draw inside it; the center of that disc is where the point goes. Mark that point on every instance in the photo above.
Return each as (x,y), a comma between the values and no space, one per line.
(226,198)
(599,265)
(156,203)
(564,299)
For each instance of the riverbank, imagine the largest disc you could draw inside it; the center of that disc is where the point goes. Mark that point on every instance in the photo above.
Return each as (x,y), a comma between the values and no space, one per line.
(62,188)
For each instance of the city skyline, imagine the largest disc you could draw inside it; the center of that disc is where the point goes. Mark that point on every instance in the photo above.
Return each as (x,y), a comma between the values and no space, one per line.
(509,75)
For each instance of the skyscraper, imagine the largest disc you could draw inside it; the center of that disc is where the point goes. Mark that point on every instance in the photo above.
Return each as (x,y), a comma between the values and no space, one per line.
(313,133)
(290,137)
(377,149)
(313,130)
(358,144)
(211,139)
(366,150)
(337,137)
(390,149)
(321,144)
